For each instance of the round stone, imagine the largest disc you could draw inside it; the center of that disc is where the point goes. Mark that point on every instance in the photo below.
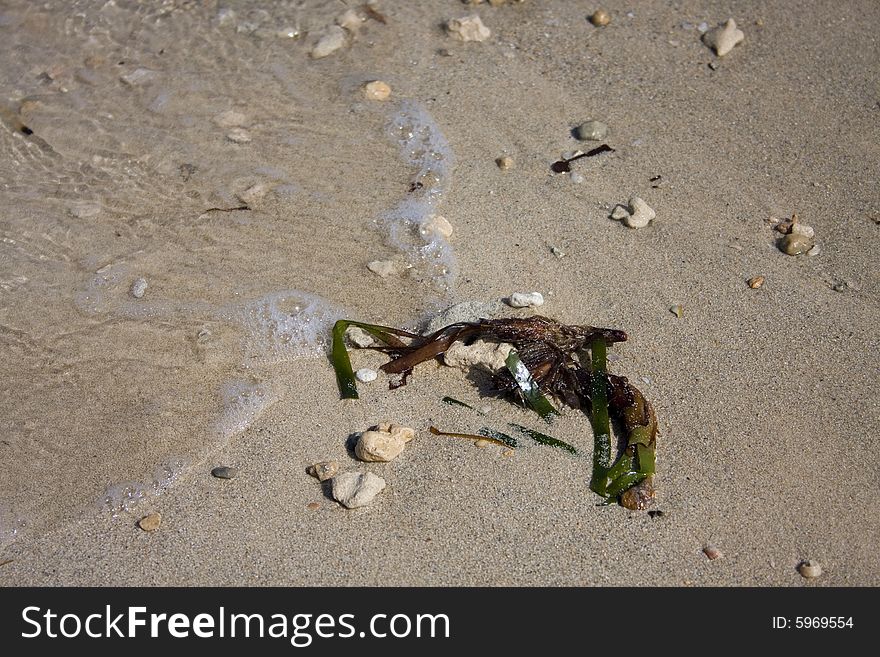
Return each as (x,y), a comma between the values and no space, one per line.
(591,131)
(224,472)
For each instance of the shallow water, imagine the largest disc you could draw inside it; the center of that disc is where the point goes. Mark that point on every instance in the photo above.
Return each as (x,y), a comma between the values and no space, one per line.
(117,165)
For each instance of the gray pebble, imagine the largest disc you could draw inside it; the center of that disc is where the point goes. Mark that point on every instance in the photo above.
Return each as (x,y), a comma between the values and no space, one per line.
(591,131)
(809,569)
(224,472)
(794,244)
(138,288)
(619,212)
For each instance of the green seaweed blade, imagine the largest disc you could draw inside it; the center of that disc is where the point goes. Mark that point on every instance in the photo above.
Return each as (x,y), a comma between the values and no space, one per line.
(529,387)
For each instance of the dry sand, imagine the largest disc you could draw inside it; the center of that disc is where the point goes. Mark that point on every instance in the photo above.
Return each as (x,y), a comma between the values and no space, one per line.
(767,398)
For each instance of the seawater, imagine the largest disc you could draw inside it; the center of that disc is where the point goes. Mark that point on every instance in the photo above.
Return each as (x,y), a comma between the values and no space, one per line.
(117,166)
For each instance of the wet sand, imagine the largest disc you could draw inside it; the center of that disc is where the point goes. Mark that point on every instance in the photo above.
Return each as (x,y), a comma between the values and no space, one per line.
(766,397)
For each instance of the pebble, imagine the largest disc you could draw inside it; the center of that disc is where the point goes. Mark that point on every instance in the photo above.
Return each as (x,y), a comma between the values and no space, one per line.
(224,472)
(793,244)
(138,288)
(801,229)
(383,268)
(332,41)
(577,178)
(525,300)
(356,489)
(377,90)
(723,38)
(642,213)
(324,470)
(151,522)
(712,552)
(365,375)
(379,446)
(559,253)
(85,210)
(359,337)
(404,433)
(491,355)
(350,20)
(600,18)
(313,506)
(809,569)
(437,225)
(468,28)
(755,282)
(591,131)
(230,119)
(138,77)
(238,136)
(814,251)
(254,194)
(505,163)
(619,212)
(677,310)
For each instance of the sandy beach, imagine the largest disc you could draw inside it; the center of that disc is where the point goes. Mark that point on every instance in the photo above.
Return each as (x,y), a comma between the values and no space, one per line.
(191,197)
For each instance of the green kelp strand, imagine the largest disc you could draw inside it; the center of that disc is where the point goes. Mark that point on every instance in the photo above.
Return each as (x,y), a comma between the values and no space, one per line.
(624,483)
(510,441)
(624,464)
(529,387)
(646,458)
(341,362)
(601,422)
(454,402)
(544,439)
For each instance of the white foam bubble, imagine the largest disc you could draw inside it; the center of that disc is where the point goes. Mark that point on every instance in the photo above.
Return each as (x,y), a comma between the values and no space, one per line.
(423,146)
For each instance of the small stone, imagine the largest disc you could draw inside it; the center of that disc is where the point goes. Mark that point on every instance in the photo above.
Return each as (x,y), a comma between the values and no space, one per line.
(591,131)
(677,310)
(85,210)
(801,229)
(313,506)
(505,163)
(230,119)
(712,552)
(809,569)
(254,194)
(525,300)
(714,66)
(490,355)
(324,470)
(793,244)
(466,311)
(365,375)
(642,213)
(559,253)
(619,212)
(224,472)
(378,446)
(138,288)
(600,18)
(151,522)
(436,225)
(723,38)
(755,282)
(356,489)
(377,90)
(383,268)
(359,337)
(351,20)
(138,77)
(404,433)
(238,136)
(468,28)
(332,41)
(814,250)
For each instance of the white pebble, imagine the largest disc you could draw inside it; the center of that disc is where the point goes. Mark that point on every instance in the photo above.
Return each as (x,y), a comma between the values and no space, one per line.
(351,20)
(437,225)
(642,213)
(723,38)
(810,569)
(365,375)
(490,355)
(468,28)
(814,250)
(525,300)
(138,288)
(238,136)
(356,489)
(377,90)
(379,446)
(383,268)
(332,41)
